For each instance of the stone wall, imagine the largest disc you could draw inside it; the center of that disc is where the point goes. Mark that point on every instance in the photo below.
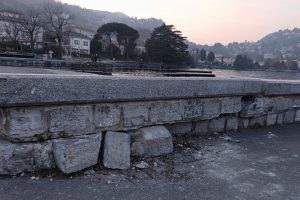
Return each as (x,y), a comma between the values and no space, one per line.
(72,132)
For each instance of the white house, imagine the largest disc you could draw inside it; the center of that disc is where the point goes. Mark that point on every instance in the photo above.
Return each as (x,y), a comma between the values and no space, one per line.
(78,41)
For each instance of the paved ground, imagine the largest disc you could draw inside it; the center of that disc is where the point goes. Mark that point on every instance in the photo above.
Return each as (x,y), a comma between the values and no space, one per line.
(253,164)
(29,70)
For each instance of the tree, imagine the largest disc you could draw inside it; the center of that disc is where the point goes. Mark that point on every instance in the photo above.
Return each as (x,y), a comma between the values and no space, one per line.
(203,55)
(167,45)
(126,37)
(31,25)
(56,19)
(242,61)
(96,45)
(211,57)
(13,31)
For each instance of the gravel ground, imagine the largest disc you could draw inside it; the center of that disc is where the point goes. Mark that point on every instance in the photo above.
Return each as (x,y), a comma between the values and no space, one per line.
(252,164)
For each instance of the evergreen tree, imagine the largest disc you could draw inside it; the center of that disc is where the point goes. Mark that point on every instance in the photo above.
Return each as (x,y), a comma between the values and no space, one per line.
(167,45)
(211,57)
(126,36)
(242,61)
(203,55)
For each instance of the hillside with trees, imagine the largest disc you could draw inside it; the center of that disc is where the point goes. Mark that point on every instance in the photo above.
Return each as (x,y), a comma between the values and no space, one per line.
(93,18)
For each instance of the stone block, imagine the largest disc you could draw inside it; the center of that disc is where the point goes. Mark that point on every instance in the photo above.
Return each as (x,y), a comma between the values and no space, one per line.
(289,117)
(277,104)
(280,118)
(192,109)
(271,119)
(296,103)
(2,121)
(71,120)
(116,153)
(201,127)
(217,125)
(252,106)
(166,112)
(16,158)
(180,128)
(211,109)
(107,115)
(74,154)
(232,124)
(25,124)
(231,105)
(243,123)
(297,116)
(151,141)
(258,121)
(135,114)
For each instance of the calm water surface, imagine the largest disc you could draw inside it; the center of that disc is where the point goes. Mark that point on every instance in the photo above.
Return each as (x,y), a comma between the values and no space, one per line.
(257,74)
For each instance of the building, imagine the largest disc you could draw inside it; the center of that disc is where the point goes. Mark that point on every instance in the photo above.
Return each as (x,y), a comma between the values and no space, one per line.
(78,41)
(11,31)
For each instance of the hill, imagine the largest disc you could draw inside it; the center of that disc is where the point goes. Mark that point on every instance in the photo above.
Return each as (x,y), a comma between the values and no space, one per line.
(93,18)
(283,44)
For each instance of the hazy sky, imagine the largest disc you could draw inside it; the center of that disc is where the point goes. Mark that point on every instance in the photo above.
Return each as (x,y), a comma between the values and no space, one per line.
(210,21)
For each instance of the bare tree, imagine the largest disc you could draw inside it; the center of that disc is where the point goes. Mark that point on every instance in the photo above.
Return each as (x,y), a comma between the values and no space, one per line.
(13,32)
(56,20)
(31,25)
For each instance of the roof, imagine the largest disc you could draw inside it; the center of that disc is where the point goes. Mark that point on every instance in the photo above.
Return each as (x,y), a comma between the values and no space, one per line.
(81,27)
(78,35)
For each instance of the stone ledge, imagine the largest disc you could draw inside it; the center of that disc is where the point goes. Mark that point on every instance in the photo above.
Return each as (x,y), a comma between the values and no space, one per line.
(16,90)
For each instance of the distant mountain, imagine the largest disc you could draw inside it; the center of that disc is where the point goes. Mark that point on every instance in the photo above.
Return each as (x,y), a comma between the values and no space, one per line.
(93,18)
(283,44)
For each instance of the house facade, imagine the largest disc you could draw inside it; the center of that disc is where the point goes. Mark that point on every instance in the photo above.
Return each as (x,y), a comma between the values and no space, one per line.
(78,41)
(10,29)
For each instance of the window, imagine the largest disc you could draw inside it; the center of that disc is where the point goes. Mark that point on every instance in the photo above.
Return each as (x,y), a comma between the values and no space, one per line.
(85,43)
(76,42)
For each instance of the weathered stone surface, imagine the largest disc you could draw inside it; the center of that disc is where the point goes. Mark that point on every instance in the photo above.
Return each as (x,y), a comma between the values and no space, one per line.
(201,127)
(68,89)
(180,128)
(107,115)
(192,108)
(136,114)
(258,121)
(277,104)
(211,109)
(166,111)
(252,106)
(231,105)
(25,124)
(289,117)
(280,87)
(297,116)
(217,125)
(116,153)
(2,121)
(243,123)
(151,141)
(71,120)
(74,154)
(25,157)
(271,119)
(280,118)
(232,124)
(296,103)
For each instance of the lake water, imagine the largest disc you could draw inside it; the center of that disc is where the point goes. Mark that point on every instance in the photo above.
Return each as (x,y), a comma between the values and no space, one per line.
(257,74)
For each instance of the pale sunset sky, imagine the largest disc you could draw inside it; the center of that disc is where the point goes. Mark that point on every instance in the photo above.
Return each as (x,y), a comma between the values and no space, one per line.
(210,21)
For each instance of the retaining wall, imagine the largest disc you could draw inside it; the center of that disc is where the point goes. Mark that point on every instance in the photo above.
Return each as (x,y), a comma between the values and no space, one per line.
(49,121)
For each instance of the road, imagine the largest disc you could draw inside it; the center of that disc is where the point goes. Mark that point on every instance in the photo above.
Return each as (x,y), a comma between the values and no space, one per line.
(252,164)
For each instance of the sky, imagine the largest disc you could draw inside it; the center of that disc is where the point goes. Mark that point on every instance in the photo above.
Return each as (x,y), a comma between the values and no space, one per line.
(210,21)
